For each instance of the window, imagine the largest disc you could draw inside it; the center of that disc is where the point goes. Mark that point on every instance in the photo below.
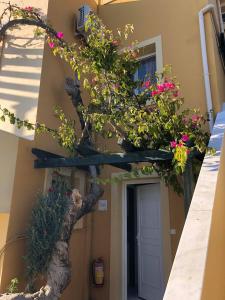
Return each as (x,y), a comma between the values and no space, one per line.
(147,68)
(151,60)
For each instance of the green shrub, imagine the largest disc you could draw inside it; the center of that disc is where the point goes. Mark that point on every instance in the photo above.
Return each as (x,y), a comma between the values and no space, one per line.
(45,227)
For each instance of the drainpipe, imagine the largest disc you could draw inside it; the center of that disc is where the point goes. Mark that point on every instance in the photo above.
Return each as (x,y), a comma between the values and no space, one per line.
(220,16)
(208,8)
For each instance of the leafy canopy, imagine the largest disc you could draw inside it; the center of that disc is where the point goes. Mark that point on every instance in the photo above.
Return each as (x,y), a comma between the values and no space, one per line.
(152,118)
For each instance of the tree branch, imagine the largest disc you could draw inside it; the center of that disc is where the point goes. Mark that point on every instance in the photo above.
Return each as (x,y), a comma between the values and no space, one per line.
(31,22)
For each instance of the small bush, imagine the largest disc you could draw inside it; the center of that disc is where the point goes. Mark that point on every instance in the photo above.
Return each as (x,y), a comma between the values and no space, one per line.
(45,228)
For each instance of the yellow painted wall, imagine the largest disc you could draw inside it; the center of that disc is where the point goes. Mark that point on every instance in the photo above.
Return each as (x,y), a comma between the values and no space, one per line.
(4,220)
(177,23)
(8,156)
(177,217)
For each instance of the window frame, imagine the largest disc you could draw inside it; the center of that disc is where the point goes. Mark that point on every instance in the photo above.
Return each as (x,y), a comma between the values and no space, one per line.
(158,51)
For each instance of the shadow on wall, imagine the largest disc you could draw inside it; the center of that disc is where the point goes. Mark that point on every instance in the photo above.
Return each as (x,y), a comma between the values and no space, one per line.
(20,75)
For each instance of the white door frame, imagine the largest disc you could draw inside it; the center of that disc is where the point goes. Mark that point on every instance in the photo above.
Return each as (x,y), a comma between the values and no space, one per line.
(164,208)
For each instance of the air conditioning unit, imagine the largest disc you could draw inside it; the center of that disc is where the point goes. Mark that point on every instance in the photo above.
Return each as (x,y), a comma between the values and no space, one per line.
(82,16)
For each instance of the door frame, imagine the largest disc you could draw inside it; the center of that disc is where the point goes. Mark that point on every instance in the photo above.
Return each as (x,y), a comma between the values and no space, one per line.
(118,257)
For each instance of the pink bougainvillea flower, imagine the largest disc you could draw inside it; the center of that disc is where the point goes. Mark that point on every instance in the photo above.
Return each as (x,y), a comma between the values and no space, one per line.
(173,144)
(146,84)
(180,145)
(160,88)
(185,138)
(154,93)
(195,118)
(168,85)
(171,85)
(51,45)
(28,8)
(60,35)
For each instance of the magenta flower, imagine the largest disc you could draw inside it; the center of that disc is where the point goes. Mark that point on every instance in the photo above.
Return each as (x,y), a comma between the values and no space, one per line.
(175,94)
(171,85)
(185,138)
(146,84)
(160,88)
(28,8)
(168,86)
(195,118)
(154,93)
(51,45)
(60,35)
(173,144)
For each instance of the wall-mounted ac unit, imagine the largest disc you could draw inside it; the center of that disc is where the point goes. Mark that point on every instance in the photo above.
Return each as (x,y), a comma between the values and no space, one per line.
(82,16)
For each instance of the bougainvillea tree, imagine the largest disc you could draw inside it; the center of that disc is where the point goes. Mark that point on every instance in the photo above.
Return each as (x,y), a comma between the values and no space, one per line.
(139,115)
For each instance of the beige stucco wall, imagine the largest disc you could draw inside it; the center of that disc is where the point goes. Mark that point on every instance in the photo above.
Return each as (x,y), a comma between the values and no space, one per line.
(4,220)
(178,26)
(8,156)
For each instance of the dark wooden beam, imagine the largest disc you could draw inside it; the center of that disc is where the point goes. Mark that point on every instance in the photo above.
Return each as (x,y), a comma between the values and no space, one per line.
(105,159)
(45,156)
(86,150)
